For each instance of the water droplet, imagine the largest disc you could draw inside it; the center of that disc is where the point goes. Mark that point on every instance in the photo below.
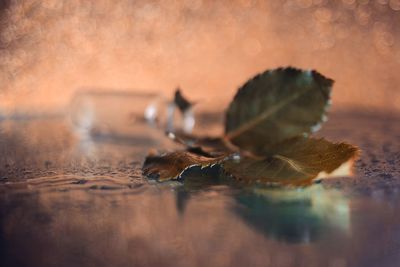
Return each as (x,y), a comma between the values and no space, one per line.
(236,157)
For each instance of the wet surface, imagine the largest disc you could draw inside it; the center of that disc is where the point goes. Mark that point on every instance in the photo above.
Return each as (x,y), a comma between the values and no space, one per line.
(75,198)
(71,188)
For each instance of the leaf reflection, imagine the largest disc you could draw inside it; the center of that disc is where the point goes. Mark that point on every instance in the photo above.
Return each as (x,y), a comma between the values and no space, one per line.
(293,215)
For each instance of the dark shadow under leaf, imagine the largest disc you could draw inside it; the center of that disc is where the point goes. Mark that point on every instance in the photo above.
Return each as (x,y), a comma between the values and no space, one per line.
(205,146)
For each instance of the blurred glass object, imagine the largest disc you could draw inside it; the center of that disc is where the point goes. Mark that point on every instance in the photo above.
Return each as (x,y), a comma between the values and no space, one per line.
(184,121)
(107,113)
(114,114)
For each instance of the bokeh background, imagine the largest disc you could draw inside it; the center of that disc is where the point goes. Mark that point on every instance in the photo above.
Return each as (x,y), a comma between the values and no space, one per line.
(51,48)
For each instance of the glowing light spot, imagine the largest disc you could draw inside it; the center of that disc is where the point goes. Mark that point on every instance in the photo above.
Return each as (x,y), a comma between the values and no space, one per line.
(150,113)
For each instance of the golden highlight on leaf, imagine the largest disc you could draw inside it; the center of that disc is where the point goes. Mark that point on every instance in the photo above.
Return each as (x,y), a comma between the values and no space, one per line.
(277,105)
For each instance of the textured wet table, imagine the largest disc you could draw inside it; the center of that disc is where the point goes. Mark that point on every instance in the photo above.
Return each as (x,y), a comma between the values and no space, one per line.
(66,201)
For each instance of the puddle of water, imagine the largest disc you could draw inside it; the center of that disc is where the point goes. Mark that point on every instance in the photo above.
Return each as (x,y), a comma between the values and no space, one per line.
(72,201)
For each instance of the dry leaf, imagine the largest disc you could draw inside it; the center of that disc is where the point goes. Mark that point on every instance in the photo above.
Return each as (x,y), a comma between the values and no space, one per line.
(269,121)
(170,166)
(298,161)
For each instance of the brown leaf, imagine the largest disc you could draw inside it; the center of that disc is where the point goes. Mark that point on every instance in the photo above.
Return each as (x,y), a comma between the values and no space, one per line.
(277,105)
(298,161)
(170,166)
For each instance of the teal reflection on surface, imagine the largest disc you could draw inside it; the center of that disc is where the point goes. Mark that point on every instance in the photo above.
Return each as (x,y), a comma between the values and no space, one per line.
(294,215)
(298,215)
